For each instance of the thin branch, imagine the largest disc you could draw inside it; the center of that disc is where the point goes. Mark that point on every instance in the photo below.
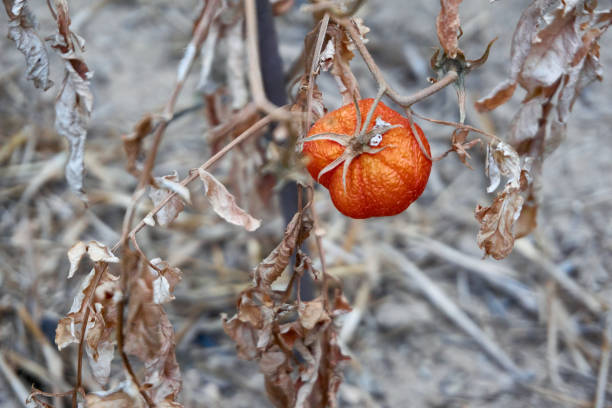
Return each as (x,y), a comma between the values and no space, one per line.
(96,280)
(491,137)
(403,100)
(210,162)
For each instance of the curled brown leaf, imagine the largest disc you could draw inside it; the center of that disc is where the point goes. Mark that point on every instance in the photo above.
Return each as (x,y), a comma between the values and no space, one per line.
(496,235)
(224,203)
(448,25)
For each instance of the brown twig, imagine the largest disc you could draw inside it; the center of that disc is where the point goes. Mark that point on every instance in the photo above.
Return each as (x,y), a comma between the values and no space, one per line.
(96,280)
(403,100)
(194,174)
(491,137)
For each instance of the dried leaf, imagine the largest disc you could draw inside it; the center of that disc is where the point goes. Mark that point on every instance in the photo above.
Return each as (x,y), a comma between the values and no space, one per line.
(23,30)
(448,25)
(74,103)
(496,234)
(96,251)
(275,263)
(311,313)
(527,221)
(341,70)
(124,395)
(174,206)
(33,402)
(165,278)
(102,321)
(149,333)
(492,171)
(224,204)
(115,400)
(171,183)
(503,159)
(132,142)
(498,96)
(72,112)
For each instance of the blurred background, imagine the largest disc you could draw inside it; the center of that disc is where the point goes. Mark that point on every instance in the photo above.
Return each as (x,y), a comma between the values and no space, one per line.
(405,351)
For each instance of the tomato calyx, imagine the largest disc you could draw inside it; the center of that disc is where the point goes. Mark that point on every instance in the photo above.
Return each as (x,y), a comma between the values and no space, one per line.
(361,141)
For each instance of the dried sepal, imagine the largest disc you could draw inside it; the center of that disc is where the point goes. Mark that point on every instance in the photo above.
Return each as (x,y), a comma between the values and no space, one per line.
(224,203)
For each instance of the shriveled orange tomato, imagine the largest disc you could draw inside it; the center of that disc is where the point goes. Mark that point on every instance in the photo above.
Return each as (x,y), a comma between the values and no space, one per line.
(374,170)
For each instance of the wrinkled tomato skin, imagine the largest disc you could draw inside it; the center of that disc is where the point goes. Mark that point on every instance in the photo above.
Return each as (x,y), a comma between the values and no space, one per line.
(377,185)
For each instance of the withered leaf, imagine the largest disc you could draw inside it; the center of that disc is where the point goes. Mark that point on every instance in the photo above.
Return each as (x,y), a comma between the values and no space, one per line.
(72,111)
(496,235)
(124,395)
(74,103)
(96,251)
(23,30)
(527,221)
(275,263)
(498,96)
(224,203)
(311,313)
(165,278)
(174,206)
(244,336)
(503,159)
(33,402)
(101,323)
(149,333)
(132,142)
(340,63)
(447,25)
